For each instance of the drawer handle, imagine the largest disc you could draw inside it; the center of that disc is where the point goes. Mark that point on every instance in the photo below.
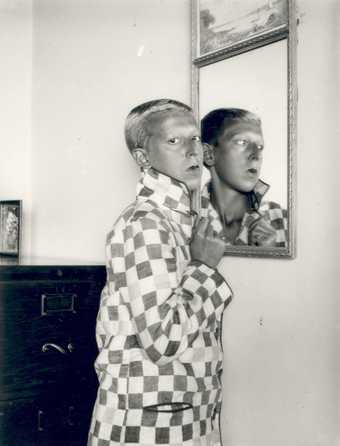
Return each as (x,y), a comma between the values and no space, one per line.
(70,418)
(54,304)
(49,345)
(71,347)
(40,424)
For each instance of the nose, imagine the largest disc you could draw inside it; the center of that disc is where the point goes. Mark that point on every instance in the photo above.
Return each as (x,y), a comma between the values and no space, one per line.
(255,151)
(194,148)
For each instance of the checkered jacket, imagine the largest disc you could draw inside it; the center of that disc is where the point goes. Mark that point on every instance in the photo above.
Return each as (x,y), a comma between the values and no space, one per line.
(158,326)
(258,209)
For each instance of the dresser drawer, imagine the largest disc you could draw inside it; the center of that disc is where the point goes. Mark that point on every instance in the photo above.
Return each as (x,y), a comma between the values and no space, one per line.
(47,350)
(48,330)
(45,422)
(34,299)
(18,423)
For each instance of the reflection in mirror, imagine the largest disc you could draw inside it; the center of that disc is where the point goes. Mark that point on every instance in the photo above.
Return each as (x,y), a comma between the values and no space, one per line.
(247,118)
(254,214)
(234,149)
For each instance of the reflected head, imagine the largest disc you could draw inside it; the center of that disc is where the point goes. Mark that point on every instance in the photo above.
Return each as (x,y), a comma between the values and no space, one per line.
(216,122)
(233,146)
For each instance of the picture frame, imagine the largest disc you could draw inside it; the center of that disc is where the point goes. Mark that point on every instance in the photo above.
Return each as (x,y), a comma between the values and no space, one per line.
(223,27)
(10,227)
(269,89)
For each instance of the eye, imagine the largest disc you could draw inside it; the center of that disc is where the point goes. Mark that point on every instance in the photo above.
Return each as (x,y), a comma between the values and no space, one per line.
(173,141)
(260,147)
(241,142)
(196,138)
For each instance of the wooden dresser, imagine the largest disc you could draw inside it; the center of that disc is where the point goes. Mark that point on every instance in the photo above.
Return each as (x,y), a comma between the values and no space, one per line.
(47,350)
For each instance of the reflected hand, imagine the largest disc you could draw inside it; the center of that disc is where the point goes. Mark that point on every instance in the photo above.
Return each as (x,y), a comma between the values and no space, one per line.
(262,233)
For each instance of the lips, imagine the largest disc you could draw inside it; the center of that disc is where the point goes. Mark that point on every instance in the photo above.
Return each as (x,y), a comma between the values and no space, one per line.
(252,171)
(193,168)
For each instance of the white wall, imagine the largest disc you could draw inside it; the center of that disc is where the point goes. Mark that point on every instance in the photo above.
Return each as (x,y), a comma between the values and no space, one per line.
(93,62)
(15,106)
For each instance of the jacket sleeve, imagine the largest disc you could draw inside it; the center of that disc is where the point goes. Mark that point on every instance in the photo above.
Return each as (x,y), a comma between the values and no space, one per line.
(168,308)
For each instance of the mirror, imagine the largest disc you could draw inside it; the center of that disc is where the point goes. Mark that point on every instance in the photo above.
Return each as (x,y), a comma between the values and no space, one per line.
(244,60)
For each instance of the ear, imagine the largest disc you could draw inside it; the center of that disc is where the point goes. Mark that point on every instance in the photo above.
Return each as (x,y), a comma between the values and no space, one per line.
(208,155)
(141,157)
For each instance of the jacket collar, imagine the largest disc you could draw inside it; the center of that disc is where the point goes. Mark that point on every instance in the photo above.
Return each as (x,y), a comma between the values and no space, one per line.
(253,214)
(256,195)
(165,191)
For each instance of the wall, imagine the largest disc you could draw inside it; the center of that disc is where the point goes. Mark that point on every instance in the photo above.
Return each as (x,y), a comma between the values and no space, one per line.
(15,106)
(282,330)
(94,61)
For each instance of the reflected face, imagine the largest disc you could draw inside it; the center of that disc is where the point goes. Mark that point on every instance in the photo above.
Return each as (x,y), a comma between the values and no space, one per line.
(238,156)
(174,147)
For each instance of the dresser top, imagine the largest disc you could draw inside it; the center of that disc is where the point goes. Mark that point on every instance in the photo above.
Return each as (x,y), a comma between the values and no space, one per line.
(26,268)
(42,261)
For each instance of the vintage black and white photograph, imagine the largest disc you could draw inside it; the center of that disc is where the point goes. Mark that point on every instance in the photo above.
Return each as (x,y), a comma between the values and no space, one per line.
(10,221)
(169,212)
(224,23)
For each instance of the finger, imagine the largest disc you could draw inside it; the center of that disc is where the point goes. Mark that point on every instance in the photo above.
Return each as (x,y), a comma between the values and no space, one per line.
(264,240)
(255,239)
(258,232)
(196,225)
(209,233)
(264,232)
(199,228)
(254,224)
(210,227)
(203,226)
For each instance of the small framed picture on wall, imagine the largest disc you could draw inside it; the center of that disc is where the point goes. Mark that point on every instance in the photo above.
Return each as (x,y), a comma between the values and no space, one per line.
(10,227)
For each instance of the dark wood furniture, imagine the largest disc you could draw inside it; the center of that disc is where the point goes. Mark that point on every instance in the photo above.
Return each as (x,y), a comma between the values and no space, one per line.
(47,350)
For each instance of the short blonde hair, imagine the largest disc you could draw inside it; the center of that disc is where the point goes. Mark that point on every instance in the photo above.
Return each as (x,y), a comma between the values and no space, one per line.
(136,122)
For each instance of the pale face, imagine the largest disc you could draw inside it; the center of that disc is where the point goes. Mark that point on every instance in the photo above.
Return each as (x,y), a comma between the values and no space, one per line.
(238,156)
(174,147)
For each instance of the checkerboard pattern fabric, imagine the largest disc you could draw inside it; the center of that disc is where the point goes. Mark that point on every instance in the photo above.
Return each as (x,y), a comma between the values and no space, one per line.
(158,327)
(258,209)
(134,427)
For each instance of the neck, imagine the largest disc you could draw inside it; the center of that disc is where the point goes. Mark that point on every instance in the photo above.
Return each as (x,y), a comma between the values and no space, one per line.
(230,203)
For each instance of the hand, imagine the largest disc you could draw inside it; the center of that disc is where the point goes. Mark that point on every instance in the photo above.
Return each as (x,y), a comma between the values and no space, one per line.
(206,246)
(262,233)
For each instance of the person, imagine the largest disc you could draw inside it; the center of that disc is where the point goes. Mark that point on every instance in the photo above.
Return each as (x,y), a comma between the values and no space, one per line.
(159,322)
(233,151)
